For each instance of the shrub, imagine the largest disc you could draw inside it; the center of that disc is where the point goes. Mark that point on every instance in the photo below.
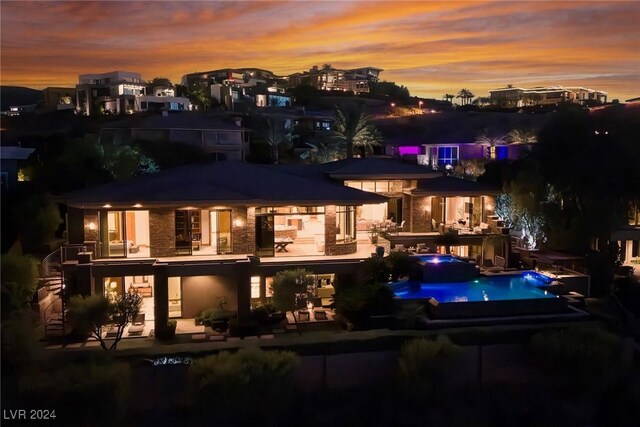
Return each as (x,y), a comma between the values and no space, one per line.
(399,263)
(425,364)
(245,385)
(288,284)
(587,356)
(267,314)
(215,317)
(91,393)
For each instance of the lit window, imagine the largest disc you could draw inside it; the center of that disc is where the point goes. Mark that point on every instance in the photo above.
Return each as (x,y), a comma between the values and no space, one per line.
(255,286)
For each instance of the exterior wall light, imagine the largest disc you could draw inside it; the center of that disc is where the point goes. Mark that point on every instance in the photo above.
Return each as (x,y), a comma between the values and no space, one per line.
(92,226)
(137,205)
(238,222)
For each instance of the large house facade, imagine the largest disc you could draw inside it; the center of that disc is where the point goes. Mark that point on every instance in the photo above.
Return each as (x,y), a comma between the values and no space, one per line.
(121,92)
(190,237)
(545,95)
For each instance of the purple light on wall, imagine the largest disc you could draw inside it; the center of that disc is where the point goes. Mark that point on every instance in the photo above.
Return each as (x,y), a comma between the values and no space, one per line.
(408,151)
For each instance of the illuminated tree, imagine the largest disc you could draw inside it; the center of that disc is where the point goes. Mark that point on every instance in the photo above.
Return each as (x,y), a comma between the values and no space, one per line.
(522,136)
(291,288)
(90,315)
(490,141)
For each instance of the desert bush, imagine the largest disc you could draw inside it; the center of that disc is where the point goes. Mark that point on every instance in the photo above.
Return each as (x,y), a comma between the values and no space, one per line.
(247,385)
(96,392)
(589,357)
(425,365)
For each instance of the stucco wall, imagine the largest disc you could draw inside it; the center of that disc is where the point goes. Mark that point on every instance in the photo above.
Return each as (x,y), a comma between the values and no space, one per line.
(201,292)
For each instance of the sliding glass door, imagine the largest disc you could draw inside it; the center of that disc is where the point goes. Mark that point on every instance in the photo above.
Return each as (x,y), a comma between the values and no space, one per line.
(220,229)
(265,235)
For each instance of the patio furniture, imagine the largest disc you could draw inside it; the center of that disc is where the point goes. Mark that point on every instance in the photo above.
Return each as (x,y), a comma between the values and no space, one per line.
(400,227)
(304,315)
(320,314)
(281,244)
(137,325)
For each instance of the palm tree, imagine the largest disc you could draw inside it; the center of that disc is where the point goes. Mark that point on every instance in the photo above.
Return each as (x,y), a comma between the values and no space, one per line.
(449,97)
(198,95)
(522,136)
(465,96)
(353,127)
(274,132)
(490,141)
(470,96)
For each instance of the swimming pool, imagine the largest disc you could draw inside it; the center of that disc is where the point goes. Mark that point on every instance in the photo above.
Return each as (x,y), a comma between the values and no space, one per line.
(496,296)
(523,285)
(444,268)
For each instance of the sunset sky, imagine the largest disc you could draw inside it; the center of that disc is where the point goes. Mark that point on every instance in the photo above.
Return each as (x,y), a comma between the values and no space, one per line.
(431,47)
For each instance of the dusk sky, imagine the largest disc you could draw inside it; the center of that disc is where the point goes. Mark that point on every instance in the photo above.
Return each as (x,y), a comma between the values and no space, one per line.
(431,47)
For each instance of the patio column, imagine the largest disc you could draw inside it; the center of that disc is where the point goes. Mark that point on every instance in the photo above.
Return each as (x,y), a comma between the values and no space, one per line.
(243,285)
(160,296)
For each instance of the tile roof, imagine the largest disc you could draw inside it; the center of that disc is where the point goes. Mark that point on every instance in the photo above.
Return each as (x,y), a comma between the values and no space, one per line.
(226,183)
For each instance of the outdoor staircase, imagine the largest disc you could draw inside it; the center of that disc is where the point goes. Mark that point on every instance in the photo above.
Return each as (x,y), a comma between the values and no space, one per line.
(51,289)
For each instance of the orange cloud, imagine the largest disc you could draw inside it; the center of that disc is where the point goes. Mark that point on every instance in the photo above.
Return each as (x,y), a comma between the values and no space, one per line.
(430,47)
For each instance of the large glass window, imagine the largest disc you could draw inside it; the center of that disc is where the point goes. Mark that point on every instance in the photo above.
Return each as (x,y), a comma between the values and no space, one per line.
(124,234)
(345,224)
(447,155)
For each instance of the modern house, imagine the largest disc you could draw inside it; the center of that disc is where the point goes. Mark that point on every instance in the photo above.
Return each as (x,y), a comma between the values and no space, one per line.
(545,95)
(59,98)
(438,140)
(121,92)
(223,139)
(190,237)
(355,80)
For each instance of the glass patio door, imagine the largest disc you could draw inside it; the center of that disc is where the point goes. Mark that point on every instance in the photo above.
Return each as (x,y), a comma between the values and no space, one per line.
(220,229)
(112,234)
(265,235)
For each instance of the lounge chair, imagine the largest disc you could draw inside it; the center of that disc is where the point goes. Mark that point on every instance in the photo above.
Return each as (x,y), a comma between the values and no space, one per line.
(137,325)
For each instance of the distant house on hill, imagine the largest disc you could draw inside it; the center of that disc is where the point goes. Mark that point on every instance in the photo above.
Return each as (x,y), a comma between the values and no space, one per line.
(121,92)
(448,138)
(225,140)
(10,157)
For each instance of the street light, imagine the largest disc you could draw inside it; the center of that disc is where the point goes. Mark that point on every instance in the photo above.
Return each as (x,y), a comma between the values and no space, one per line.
(393,104)
(420,104)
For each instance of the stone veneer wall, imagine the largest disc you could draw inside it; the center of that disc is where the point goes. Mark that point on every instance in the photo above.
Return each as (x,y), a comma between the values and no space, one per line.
(250,231)
(421,216)
(344,248)
(239,232)
(91,216)
(330,245)
(162,232)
